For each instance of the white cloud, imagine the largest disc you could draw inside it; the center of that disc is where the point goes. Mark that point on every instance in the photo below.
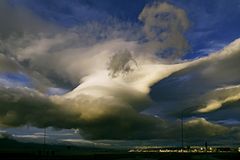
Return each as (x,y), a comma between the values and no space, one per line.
(221,96)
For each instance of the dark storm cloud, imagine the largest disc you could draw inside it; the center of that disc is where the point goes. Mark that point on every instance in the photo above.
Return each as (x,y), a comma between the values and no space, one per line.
(21,106)
(96,118)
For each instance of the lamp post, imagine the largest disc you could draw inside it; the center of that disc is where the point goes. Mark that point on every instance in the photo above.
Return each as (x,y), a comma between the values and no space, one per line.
(44,140)
(182,125)
(182,129)
(44,136)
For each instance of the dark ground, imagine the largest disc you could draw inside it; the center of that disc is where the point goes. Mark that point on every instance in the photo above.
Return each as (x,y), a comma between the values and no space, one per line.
(11,149)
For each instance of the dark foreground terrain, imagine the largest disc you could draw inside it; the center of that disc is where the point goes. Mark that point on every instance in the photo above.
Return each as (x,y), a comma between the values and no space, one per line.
(11,149)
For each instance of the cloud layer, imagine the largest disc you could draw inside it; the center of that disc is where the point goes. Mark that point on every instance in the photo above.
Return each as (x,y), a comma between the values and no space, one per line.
(144,103)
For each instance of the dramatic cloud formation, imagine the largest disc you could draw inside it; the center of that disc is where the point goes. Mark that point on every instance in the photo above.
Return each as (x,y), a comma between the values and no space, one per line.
(126,85)
(100,99)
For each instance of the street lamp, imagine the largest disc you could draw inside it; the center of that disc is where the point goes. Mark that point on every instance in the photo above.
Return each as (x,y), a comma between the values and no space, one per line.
(182,130)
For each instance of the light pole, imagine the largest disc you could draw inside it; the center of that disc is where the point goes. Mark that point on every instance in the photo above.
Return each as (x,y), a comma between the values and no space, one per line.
(182,125)
(44,140)
(44,136)
(182,129)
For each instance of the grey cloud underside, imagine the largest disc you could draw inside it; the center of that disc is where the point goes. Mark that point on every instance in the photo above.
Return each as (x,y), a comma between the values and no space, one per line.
(23,106)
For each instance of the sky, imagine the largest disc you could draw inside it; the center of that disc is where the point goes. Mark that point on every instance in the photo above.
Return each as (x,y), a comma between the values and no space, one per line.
(115,73)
